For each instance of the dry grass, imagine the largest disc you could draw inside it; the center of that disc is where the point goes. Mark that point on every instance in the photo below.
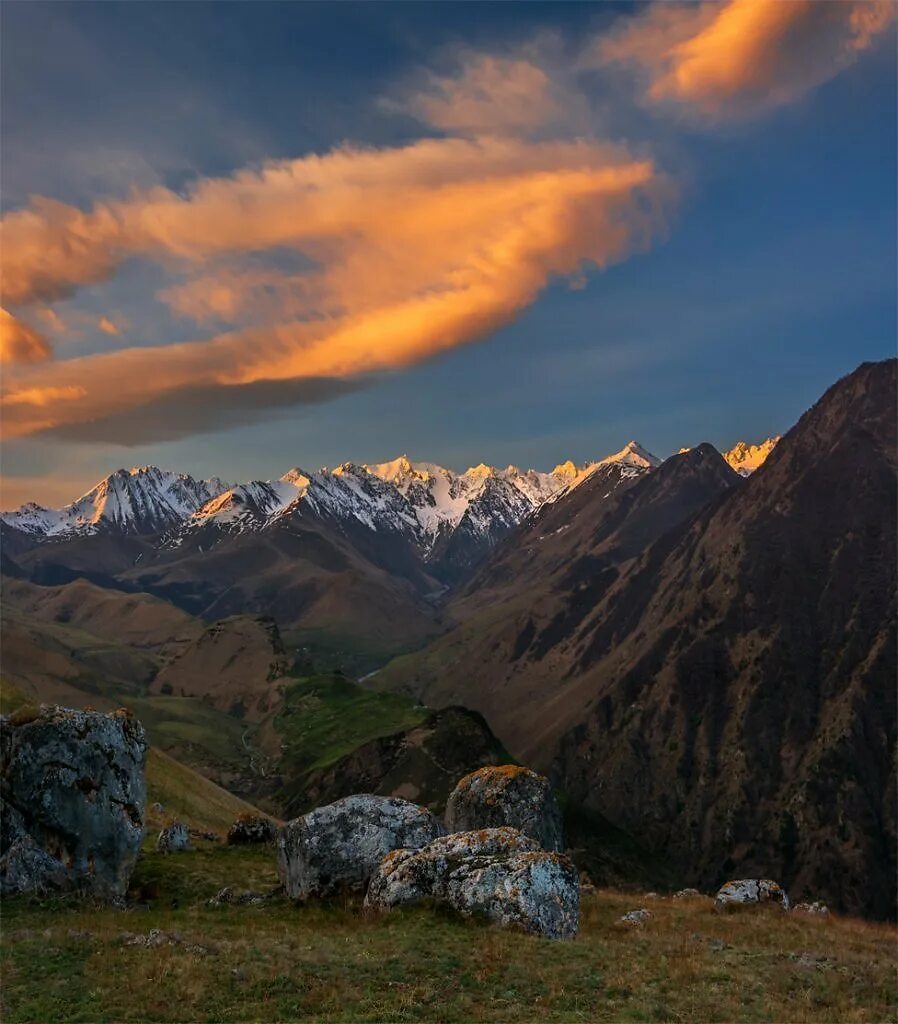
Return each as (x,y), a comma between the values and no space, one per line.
(333,962)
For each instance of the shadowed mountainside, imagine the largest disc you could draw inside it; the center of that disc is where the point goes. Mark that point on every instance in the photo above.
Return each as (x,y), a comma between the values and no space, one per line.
(728,696)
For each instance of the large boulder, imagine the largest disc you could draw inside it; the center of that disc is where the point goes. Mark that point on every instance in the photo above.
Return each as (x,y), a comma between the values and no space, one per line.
(73,795)
(507,795)
(497,873)
(339,846)
(748,891)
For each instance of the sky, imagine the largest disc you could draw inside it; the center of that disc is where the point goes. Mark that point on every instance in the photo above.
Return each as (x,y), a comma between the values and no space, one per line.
(242,237)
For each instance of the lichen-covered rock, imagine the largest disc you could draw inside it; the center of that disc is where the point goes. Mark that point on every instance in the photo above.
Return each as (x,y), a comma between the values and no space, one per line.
(339,846)
(174,838)
(497,873)
(252,829)
(746,891)
(73,794)
(507,795)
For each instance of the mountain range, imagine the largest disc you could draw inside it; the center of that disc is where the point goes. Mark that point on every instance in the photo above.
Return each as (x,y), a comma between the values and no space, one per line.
(700,651)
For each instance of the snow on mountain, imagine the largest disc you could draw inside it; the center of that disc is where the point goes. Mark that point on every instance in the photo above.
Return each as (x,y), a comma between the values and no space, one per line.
(142,499)
(745,458)
(422,501)
(632,455)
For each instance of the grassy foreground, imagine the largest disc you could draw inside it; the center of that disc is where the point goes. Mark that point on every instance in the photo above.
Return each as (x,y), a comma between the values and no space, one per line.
(334,962)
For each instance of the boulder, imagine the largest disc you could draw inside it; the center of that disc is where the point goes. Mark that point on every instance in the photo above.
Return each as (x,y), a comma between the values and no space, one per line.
(339,846)
(174,838)
(73,798)
(748,891)
(497,873)
(507,795)
(252,829)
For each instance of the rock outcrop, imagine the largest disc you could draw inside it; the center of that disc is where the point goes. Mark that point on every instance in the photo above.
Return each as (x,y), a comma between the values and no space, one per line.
(507,795)
(339,846)
(497,873)
(745,891)
(252,829)
(73,795)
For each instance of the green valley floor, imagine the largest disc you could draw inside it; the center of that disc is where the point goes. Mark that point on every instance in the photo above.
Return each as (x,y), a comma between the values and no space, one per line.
(62,961)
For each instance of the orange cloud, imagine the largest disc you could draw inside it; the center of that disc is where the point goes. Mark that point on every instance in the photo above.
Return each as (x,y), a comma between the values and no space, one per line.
(108,327)
(488,95)
(411,251)
(20,343)
(736,59)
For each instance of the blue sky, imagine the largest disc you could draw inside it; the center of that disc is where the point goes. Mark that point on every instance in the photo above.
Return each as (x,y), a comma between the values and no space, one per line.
(770,272)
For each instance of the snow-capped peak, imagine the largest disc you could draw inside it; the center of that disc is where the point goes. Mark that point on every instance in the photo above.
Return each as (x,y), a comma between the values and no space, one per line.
(746,458)
(142,499)
(632,454)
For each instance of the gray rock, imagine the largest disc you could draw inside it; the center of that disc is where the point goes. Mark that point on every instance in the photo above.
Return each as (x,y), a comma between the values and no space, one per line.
(339,846)
(748,891)
(637,917)
(497,873)
(73,794)
(507,795)
(174,838)
(816,908)
(231,896)
(252,829)
(686,894)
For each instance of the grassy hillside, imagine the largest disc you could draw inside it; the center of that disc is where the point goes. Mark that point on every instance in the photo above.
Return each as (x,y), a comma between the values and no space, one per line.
(327,716)
(333,962)
(188,796)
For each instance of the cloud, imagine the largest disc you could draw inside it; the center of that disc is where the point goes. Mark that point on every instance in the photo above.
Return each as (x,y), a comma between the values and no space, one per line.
(108,327)
(410,252)
(487,94)
(198,410)
(20,343)
(721,61)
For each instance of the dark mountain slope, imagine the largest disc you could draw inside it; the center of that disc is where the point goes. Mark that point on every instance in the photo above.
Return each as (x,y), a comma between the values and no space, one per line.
(737,686)
(535,593)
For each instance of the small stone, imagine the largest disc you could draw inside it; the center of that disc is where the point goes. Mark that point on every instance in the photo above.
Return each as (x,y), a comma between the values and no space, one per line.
(811,961)
(637,917)
(252,829)
(685,894)
(229,895)
(816,908)
(174,838)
